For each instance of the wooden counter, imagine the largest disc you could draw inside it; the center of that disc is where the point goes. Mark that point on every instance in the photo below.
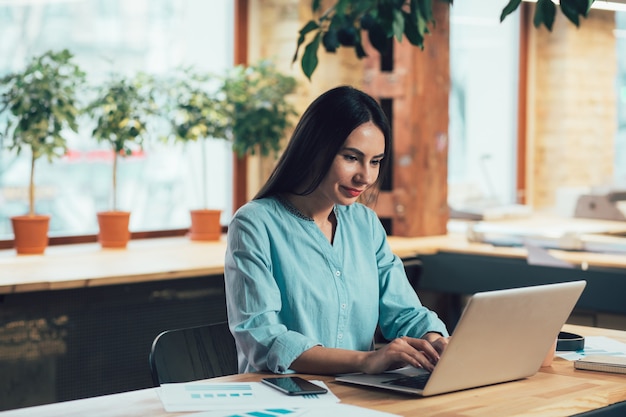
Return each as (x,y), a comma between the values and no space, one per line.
(87,265)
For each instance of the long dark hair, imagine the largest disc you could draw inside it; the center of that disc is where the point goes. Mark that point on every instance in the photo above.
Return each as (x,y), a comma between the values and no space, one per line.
(318,137)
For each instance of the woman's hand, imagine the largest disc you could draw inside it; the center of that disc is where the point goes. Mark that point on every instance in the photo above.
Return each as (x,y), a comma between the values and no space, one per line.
(420,353)
(437,341)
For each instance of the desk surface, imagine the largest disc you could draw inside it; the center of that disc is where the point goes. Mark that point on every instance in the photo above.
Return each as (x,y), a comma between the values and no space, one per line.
(87,265)
(558,390)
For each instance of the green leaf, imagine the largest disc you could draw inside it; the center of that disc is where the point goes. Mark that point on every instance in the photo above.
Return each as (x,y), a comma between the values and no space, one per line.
(330,41)
(570,12)
(341,7)
(309,59)
(581,6)
(509,8)
(425,9)
(358,47)
(311,25)
(378,37)
(398,24)
(545,13)
(411,31)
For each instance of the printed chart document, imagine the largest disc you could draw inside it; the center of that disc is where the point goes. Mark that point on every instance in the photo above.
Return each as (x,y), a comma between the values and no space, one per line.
(343,410)
(597,346)
(204,395)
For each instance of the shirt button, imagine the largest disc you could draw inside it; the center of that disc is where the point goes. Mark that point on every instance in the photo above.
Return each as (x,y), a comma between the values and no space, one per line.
(343,306)
(337,273)
(340,336)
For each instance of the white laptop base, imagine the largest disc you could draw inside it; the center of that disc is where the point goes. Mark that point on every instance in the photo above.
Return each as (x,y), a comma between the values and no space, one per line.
(502,336)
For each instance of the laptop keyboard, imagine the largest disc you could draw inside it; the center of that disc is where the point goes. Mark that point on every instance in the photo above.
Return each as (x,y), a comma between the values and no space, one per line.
(417,381)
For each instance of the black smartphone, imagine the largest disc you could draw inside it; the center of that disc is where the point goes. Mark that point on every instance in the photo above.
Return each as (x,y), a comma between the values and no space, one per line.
(294,385)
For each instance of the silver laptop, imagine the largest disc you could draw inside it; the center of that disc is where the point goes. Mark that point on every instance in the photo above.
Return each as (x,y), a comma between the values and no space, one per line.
(502,336)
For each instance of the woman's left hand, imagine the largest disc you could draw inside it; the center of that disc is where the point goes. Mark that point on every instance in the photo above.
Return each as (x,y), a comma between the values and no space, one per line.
(438,341)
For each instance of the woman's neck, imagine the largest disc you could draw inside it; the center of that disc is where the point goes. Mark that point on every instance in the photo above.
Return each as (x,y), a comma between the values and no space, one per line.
(311,207)
(315,209)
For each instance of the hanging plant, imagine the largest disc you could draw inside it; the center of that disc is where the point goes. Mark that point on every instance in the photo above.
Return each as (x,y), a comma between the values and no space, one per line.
(345,22)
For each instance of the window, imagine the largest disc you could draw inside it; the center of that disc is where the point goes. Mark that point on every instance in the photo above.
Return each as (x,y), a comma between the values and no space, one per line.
(483,105)
(158,185)
(485,77)
(620,140)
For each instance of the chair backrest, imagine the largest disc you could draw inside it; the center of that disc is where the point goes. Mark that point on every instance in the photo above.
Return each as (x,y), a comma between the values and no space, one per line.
(193,353)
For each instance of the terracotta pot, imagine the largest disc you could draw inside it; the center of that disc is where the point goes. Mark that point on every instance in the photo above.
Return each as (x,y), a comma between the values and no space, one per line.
(114,231)
(205,225)
(31,234)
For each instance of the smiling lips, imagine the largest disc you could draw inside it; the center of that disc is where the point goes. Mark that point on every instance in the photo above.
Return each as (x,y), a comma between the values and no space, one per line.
(353,192)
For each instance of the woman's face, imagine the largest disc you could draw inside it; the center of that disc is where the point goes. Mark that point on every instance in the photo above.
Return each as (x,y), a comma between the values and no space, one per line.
(356,166)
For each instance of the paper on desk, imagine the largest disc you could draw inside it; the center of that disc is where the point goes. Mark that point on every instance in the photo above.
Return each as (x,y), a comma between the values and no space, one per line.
(343,410)
(203,395)
(596,345)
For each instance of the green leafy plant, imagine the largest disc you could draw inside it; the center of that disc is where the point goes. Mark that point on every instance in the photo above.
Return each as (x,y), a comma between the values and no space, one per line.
(345,22)
(196,112)
(121,111)
(258,111)
(41,104)
(545,12)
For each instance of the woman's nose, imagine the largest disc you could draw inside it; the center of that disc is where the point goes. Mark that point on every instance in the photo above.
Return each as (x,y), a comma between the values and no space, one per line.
(365,175)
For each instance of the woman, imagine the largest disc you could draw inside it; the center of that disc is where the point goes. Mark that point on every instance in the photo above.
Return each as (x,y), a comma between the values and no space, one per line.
(309,274)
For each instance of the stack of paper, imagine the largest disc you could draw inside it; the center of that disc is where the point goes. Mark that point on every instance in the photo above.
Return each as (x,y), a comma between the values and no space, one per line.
(248,399)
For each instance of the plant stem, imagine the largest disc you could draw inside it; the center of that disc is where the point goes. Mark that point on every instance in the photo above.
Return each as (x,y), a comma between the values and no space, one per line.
(31,187)
(114,180)
(204,175)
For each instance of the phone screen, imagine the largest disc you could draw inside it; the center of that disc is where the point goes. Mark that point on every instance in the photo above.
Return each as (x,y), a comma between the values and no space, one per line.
(294,385)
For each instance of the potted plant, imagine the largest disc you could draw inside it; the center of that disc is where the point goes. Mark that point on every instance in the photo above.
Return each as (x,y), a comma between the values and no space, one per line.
(196,113)
(257,107)
(121,111)
(41,105)
(248,107)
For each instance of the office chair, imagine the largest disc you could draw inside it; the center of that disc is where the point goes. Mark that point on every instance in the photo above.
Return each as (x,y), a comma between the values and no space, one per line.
(193,353)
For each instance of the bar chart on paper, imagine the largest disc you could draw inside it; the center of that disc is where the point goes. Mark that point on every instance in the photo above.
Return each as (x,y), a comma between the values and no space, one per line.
(220,393)
(343,410)
(254,399)
(270,412)
(236,396)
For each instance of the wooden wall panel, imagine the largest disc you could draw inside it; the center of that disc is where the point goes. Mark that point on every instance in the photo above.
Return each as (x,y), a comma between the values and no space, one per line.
(418,86)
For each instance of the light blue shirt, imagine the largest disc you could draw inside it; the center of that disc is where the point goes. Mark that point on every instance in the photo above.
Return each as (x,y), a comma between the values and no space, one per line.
(288,289)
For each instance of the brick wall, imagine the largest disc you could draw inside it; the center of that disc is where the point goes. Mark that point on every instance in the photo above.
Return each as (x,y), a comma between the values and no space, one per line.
(571,114)
(274,26)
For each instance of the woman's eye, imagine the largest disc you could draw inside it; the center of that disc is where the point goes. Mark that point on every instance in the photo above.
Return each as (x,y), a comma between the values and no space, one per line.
(376,162)
(350,158)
